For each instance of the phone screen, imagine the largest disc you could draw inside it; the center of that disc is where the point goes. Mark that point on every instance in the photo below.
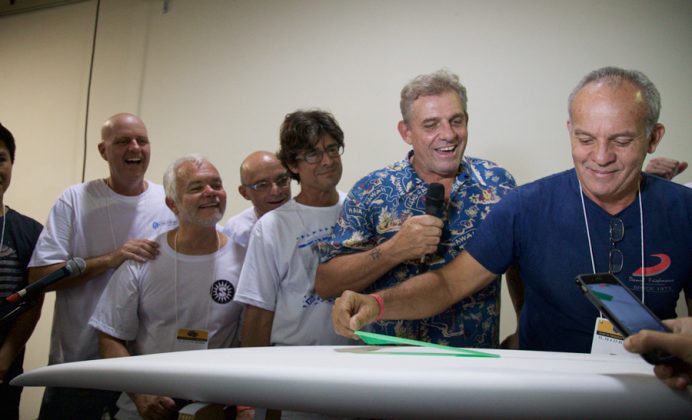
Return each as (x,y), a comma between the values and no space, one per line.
(625,307)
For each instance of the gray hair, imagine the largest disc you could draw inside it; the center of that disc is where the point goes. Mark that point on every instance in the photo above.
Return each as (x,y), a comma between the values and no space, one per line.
(170,177)
(614,77)
(431,84)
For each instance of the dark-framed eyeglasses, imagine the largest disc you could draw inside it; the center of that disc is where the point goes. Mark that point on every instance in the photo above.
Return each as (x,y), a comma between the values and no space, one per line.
(615,258)
(315,156)
(281,181)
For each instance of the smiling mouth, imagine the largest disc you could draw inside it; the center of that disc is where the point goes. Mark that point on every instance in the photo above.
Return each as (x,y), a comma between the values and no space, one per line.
(446,149)
(601,172)
(209,205)
(327,171)
(133,161)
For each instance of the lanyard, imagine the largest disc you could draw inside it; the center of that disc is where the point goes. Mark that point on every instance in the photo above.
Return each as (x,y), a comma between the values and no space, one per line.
(641,231)
(175,277)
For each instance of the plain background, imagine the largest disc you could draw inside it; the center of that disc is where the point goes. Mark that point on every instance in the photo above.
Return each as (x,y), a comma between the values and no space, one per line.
(217,77)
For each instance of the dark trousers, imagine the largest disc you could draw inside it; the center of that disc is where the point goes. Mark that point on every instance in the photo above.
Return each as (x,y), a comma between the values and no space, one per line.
(9,401)
(77,404)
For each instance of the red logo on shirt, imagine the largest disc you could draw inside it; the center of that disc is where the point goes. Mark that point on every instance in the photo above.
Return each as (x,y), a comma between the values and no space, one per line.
(663,264)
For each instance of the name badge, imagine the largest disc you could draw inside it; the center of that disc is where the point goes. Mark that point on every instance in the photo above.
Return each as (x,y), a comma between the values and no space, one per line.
(606,340)
(188,339)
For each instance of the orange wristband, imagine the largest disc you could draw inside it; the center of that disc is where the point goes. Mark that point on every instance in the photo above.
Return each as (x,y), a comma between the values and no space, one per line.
(380,303)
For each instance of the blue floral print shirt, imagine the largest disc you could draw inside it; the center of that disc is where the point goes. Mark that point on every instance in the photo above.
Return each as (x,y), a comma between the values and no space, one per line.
(373,213)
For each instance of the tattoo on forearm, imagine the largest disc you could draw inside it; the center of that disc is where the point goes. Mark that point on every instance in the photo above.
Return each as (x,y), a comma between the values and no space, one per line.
(375,254)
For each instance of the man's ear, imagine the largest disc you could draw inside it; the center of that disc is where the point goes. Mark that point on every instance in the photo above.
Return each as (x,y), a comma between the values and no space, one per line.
(171,205)
(242,189)
(656,137)
(293,169)
(404,131)
(102,150)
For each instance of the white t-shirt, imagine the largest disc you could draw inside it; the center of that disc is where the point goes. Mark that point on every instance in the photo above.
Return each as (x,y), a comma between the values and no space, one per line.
(238,230)
(238,227)
(148,303)
(90,220)
(279,273)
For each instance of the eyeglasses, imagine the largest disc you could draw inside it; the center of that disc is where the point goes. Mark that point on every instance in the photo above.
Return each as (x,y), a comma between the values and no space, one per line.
(281,181)
(316,156)
(615,258)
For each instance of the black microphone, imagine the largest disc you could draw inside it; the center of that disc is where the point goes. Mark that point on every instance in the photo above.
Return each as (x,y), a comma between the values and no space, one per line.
(73,267)
(435,200)
(434,203)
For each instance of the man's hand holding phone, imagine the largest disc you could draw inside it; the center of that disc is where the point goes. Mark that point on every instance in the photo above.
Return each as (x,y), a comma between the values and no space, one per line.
(677,343)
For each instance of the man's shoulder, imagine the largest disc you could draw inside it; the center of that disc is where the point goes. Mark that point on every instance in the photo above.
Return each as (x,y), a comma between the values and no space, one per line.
(556,181)
(397,173)
(25,229)
(87,187)
(287,211)
(137,270)
(24,220)
(490,171)
(666,191)
(154,188)
(238,226)
(385,172)
(557,186)
(245,217)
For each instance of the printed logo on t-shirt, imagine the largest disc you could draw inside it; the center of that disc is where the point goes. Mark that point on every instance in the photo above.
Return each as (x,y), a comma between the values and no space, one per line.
(222,291)
(314,299)
(654,270)
(166,223)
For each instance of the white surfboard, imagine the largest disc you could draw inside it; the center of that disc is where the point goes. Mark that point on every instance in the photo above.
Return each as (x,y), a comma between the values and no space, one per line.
(402,382)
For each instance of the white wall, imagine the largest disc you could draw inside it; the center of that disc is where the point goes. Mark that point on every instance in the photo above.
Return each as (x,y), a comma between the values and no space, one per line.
(217,77)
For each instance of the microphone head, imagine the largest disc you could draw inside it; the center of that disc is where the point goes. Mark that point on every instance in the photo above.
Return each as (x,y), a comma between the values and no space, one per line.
(435,199)
(75,266)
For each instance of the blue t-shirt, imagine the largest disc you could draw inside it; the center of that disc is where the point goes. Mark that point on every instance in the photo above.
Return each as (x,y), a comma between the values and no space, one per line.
(541,227)
(373,213)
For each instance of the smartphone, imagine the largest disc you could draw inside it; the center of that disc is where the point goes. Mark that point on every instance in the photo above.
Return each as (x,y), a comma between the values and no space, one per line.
(627,313)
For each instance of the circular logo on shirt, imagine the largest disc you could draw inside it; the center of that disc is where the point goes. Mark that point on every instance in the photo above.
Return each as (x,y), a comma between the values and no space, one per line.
(222,291)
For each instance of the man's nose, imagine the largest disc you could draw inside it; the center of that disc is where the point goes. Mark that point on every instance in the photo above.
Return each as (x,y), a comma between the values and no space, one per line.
(133,143)
(603,154)
(446,131)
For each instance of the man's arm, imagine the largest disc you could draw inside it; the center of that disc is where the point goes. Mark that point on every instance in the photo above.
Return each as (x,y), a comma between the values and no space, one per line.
(418,297)
(135,249)
(148,406)
(665,167)
(257,327)
(418,236)
(515,287)
(677,343)
(18,335)
(110,346)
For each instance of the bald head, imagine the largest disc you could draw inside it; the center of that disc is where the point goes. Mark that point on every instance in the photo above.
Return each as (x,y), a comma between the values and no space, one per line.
(125,146)
(263,181)
(110,127)
(254,162)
